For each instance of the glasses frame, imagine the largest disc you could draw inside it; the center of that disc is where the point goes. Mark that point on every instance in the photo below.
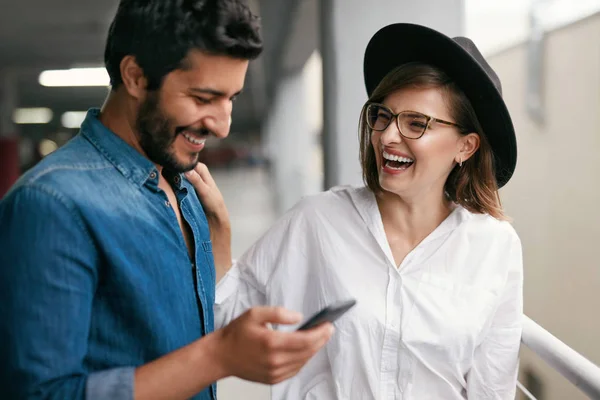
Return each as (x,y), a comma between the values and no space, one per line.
(397,118)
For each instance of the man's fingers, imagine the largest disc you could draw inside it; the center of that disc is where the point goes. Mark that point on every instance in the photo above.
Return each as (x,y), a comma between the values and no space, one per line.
(274,315)
(303,341)
(285,373)
(290,363)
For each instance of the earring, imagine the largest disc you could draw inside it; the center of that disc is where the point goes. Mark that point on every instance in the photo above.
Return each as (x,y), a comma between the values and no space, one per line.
(460,162)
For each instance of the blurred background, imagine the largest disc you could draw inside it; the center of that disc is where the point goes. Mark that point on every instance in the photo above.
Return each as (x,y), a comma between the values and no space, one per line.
(294,128)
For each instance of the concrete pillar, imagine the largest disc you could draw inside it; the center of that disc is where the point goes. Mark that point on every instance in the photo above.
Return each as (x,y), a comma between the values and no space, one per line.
(346,27)
(9,149)
(292,135)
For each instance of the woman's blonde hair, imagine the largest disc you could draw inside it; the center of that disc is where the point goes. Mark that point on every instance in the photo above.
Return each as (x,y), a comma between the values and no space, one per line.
(474,185)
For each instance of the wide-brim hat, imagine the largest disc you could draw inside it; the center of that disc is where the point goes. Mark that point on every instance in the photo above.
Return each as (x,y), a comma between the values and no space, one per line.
(460,59)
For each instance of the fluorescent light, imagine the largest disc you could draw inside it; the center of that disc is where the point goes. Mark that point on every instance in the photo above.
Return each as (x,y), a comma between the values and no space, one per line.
(75,77)
(39,115)
(73,119)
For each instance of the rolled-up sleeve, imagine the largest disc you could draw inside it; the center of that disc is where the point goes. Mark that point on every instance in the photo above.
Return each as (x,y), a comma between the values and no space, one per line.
(47,282)
(247,283)
(496,361)
(236,294)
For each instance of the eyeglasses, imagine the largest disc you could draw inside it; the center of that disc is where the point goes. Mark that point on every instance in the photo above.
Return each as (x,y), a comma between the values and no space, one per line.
(411,124)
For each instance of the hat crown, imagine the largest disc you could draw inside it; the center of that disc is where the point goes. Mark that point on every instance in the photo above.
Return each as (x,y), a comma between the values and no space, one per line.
(469,46)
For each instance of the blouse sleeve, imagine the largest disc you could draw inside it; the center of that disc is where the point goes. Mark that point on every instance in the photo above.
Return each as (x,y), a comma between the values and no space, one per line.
(493,374)
(246,285)
(236,294)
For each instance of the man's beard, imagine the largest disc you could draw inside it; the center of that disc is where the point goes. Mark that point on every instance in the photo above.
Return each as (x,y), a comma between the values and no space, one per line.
(157,134)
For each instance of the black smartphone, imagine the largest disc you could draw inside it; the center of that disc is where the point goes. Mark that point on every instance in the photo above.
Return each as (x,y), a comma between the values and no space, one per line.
(328,314)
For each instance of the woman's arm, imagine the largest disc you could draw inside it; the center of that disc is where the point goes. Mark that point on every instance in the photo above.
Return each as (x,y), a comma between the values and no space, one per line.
(244,285)
(496,361)
(217,215)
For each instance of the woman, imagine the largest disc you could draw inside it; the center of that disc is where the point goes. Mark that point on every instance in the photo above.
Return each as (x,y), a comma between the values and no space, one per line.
(424,247)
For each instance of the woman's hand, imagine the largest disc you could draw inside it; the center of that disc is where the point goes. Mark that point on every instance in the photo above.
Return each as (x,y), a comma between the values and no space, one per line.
(209,194)
(217,215)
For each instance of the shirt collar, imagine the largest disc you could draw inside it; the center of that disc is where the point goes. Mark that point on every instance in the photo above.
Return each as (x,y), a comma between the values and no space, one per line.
(366,204)
(133,165)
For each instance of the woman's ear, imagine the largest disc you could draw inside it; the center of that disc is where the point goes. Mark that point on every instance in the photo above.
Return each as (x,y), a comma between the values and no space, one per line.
(133,77)
(468,145)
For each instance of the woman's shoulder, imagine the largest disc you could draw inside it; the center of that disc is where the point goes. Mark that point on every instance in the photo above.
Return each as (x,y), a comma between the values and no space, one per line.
(331,201)
(484,226)
(311,210)
(493,246)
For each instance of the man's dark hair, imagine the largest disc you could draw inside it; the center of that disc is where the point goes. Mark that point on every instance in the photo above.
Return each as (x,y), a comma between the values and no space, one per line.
(160,34)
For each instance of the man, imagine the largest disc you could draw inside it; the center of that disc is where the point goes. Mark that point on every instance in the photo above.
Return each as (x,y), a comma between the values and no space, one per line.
(107,275)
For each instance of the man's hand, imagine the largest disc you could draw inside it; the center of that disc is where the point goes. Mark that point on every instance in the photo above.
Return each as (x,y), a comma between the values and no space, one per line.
(250,350)
(245,348)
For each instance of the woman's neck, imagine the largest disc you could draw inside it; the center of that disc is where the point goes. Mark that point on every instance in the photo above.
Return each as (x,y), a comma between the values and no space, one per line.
(412,220)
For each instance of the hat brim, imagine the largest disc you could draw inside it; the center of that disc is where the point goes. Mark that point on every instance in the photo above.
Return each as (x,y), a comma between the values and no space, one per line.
(402,43)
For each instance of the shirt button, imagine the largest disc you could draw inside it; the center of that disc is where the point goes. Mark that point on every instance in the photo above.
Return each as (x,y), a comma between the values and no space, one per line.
(152,175)
(167,203)
(177,179)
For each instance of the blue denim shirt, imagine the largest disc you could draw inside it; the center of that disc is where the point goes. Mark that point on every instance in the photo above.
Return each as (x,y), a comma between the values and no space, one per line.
(95,276)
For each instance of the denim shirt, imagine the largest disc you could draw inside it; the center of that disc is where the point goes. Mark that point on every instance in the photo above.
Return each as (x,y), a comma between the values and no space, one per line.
(95,276)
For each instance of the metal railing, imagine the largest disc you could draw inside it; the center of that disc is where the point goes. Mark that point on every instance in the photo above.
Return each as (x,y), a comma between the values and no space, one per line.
(580,371)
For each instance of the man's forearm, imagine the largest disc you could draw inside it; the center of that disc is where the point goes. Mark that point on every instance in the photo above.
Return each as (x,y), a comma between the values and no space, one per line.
(182,373)
(220,236)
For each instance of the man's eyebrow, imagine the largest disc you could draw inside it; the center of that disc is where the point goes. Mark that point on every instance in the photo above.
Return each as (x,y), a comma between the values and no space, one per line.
(212,92)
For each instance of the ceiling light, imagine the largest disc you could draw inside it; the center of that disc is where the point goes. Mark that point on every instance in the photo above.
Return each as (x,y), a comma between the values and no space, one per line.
(47,146)
(40,115)
(73,119)
(75,77)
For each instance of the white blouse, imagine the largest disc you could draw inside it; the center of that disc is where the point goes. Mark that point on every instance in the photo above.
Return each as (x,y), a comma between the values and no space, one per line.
(444,325)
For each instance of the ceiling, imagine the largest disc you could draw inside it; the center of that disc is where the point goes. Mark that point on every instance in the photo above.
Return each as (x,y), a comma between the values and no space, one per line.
(50,34)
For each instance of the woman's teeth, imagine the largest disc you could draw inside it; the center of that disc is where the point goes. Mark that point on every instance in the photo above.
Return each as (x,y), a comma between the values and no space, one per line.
(396,162)
(393,157)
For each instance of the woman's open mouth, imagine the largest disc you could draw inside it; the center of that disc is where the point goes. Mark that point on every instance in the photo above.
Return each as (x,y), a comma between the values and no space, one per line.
(396,163)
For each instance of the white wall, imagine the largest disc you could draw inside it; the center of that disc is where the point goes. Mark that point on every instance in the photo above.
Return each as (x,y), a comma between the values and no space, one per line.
(555,192)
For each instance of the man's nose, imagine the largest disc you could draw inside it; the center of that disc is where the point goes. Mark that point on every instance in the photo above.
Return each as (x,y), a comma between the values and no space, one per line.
(219,122)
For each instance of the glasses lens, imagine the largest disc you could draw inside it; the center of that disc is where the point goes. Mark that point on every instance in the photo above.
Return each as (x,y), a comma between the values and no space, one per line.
(378,117)
(412,125)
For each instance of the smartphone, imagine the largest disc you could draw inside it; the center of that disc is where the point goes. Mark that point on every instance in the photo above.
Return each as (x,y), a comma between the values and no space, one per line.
(328,314)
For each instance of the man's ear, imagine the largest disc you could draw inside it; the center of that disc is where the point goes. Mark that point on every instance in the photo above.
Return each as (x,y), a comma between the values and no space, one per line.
(133,77)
